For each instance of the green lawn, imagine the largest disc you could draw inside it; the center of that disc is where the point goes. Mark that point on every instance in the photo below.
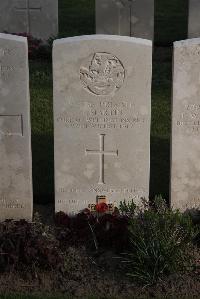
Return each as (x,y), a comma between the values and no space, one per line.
(77,17)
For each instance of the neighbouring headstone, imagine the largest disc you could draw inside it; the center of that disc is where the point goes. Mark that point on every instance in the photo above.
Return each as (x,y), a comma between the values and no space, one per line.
(125,17)
(15,134)
(102,108)
(194,19)
(185,160)
(38,18)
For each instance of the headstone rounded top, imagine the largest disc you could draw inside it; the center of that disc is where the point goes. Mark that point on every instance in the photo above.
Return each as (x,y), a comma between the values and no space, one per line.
(187,42)
(134,40)
(13,37)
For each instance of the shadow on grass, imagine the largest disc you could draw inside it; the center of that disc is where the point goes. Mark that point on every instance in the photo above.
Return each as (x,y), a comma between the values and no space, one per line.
(160,167)
(43,168)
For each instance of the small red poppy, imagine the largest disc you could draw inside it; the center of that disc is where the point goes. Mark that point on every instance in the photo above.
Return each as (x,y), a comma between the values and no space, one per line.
(102,207)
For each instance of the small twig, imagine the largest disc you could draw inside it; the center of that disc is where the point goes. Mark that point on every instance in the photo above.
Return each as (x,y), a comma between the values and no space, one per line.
(94,237)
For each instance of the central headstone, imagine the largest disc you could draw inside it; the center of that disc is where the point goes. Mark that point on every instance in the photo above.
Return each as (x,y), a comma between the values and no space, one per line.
(38,18)
(102,108)
(125,17)
(15,144)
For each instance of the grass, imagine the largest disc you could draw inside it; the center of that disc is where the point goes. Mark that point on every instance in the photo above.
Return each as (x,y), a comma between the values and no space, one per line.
(42,130)
(77,17)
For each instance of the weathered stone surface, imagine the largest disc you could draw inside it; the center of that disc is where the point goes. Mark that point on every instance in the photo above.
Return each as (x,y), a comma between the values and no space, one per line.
(125,17)
(36,17)
(15,144)
(102,107)
(185,161)
(194,19)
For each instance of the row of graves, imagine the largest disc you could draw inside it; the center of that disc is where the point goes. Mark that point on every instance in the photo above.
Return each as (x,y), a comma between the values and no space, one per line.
(102,116)
(39,18)
(102,121)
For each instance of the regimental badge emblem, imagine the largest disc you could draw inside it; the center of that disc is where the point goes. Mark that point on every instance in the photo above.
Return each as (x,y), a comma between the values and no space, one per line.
(104,76)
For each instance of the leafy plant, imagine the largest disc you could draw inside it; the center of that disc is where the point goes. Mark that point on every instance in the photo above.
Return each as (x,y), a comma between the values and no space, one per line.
(27,244)
(160,242)
(93,230)
(127,208)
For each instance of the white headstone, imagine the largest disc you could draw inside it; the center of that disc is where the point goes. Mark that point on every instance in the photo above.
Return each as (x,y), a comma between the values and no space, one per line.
(38,18)
(15,144)
(125,17)
(102,108)
(185,161)
(194,19)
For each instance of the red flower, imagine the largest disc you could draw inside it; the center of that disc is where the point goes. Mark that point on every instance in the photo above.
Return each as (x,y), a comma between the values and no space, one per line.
(102,207)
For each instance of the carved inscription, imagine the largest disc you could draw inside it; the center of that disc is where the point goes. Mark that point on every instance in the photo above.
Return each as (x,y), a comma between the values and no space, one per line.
(11,125)
(5,52)
(103,115)
(101,153)
(189,119)
(11,204)
(104,76)
(135,193)
(126,194)
(6,71)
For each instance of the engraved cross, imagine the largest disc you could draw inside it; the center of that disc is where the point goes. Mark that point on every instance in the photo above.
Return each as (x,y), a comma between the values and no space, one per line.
(102,153)
(28,9)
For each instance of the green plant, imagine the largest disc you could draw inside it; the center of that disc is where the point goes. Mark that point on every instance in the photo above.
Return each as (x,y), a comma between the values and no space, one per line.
(160,243)
(127,208)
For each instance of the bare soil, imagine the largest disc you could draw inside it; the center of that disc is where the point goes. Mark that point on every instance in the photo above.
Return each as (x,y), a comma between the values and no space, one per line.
(101,276)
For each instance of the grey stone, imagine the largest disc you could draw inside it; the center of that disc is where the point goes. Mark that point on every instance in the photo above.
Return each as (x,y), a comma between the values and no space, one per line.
(102,107)
(185,152)
(194,19)
(125,17)
(15,144)
(36,17)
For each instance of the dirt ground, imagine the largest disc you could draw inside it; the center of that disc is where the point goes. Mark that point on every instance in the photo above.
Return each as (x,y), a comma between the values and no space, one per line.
(101,276)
